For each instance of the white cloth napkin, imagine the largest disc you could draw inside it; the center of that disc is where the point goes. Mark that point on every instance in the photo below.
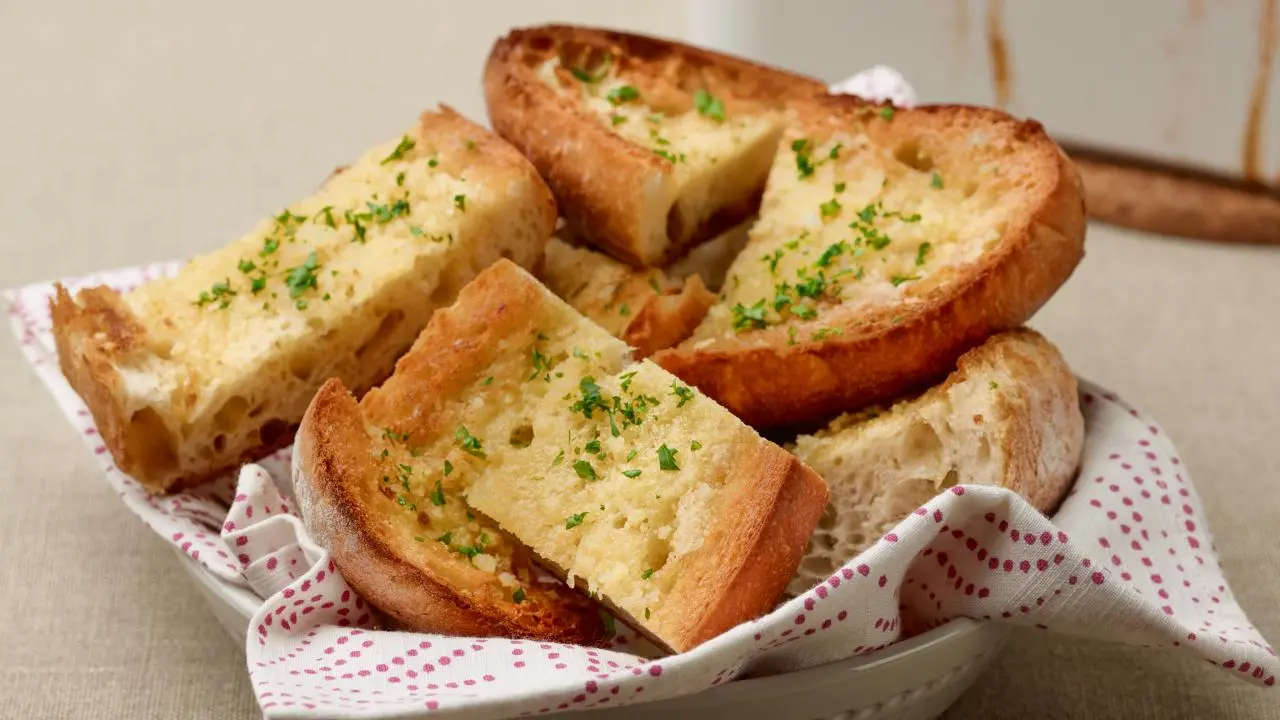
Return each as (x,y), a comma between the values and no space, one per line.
(1127,558)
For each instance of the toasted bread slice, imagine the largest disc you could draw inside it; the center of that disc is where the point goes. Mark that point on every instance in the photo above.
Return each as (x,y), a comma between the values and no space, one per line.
(645,308)
(188,376)
(650,146)
(1008,416)
(678,516)
(889,242)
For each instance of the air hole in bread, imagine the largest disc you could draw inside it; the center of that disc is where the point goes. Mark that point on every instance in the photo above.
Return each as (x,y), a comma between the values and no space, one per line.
(910,154)
(302,366)
(149,440)
(675,224)
(923,440)
(521,435)
(220,443)
(231,414)
(382,334)
(950,480)
(272,431)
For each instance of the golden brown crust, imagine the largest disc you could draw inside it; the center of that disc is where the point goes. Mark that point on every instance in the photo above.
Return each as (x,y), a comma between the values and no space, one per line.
(333,455)
(759,548)
(896,350)
(1041,409)
(595,174)
(666,319)
(1188,206)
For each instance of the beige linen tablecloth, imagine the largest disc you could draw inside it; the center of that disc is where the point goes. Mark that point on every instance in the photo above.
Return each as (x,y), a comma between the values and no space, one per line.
(138,133)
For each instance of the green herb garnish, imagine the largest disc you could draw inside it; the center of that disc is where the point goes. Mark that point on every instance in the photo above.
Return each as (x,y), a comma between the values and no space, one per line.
(667,458)
(574,521)
(623,94)
(469,443)
(584,470)
(708,105)
(406,144)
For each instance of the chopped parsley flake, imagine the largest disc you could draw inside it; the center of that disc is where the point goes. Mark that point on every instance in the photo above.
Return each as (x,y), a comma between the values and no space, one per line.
(220,293)
(633,473)
(624,310)
(406,144)
(584,470)
(437,495)
(670,157)
(469,443)
(773,260)
(648,573)
(830,253)
(559,458)
(518,596)
(667,458)
(623,94)
(303,277)
(749,318)
(269,245)
(835,152)
(591,399)
(626,380)
(830,208)
(708,105)
(592,447)
(824,333)
(392,436)
(445,538)
(886,112)
(695,446)
(419,538)
(899,279)
(600,73)
(541,365)
(616,120)
(460,202)
(448,468)
(247,266)
(327,212)
(386,213)
(936,181)
(682,392)
(646,612)
(839,187)
(922,252)
(994,384)
(804,165)
(632,455)
(574,521)
(470,144)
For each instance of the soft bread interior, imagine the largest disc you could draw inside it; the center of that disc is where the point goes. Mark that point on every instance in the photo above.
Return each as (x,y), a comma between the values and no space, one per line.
(1007,417)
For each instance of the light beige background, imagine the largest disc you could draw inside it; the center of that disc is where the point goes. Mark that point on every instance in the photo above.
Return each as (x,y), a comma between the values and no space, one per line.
(132,132)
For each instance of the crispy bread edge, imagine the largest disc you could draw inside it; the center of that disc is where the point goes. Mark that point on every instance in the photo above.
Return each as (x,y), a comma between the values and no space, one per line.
(665,320)
(759,545)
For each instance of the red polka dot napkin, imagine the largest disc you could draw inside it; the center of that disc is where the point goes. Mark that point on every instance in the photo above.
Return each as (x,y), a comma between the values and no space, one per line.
(1127,558)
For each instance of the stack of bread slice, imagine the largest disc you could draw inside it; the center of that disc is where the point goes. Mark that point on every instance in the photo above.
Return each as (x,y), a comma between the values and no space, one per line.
(525,471)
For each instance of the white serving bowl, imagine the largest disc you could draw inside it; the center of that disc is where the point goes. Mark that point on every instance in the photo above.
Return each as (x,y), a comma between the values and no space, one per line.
(912,680)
